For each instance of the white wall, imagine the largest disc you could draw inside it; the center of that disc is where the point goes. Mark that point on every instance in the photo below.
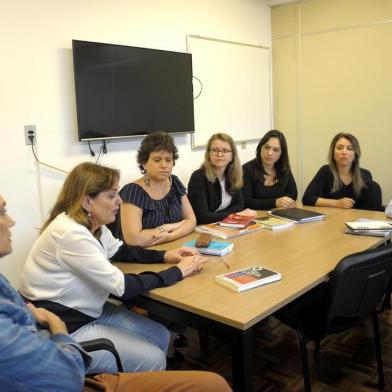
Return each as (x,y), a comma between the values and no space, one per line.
(332,65)
(37,87)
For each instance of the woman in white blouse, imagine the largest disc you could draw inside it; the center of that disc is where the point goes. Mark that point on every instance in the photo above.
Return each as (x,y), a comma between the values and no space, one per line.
(68,272)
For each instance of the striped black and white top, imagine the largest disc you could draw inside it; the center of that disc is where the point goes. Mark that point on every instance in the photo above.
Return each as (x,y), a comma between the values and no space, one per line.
(155,212)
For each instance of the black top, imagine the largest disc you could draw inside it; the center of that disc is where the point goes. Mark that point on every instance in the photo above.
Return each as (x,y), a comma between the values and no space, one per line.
(263,197)
(206,197)
(155,212)
(322,183)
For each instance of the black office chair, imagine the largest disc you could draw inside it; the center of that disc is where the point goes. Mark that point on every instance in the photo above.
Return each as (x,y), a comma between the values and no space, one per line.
(354,291)
(103,344)
(377,196)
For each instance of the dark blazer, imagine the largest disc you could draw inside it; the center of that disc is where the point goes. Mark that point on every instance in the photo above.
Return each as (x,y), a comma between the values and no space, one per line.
(258,196)
(322,183)
(206,197)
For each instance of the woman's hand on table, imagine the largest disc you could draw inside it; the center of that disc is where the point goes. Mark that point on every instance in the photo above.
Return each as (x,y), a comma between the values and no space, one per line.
(285,202)
(191,264)
(176,255)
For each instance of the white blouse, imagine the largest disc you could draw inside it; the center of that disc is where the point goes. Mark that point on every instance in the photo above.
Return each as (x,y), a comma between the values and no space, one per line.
(68,265)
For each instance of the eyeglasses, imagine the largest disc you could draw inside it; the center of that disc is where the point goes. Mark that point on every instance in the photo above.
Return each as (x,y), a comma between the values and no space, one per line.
(217,151)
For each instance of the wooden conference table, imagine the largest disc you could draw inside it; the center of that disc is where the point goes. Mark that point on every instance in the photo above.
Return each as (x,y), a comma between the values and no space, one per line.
(304,254)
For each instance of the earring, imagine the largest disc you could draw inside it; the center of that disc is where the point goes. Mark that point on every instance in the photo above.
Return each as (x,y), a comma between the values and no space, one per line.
(89,214)
(147,180)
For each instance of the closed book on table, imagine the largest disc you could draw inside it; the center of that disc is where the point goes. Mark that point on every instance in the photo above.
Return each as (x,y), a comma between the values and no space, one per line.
(248,278)
(371,233)
(216,248)
(227,232)
(273,223)
(236,220)
(369,225)
(298,215)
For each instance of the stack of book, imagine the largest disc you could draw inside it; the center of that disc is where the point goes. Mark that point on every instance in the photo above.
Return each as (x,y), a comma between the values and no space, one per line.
(216,230)
(272,223)
(374,228)
(215,248)
(236,221)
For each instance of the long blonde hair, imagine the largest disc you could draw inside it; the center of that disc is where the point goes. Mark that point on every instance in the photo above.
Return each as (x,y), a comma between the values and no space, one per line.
(358,183)
(85,179)
(233,172)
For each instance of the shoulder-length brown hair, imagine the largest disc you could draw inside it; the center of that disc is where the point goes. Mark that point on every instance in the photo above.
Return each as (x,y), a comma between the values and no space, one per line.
(358,183)
(84,179)
(233,172)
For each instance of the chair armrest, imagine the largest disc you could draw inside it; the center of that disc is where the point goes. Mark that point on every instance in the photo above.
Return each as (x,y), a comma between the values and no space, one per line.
(103,344)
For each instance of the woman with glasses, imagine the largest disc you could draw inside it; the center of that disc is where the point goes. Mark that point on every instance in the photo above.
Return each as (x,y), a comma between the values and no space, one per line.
(268,181)
(155,207)
(214,190)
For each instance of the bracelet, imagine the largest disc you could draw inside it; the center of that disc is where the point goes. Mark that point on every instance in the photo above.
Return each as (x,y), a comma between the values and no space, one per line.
(160,229)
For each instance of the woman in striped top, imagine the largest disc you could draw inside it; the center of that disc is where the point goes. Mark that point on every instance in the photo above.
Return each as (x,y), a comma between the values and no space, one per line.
(155,207)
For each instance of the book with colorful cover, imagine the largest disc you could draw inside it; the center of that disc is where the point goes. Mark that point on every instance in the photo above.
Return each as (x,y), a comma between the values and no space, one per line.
(273,223)
(227,232)
(216,248)
(248,278)
(236,221)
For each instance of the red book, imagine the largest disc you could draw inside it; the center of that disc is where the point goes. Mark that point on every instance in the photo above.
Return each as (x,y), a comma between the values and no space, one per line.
(236,221)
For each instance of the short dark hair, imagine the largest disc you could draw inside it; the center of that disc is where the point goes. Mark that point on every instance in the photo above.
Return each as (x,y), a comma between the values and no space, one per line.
(282,165)
(155,142)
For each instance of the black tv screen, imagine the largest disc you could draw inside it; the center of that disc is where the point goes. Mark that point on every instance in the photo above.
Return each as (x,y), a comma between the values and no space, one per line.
(125,91)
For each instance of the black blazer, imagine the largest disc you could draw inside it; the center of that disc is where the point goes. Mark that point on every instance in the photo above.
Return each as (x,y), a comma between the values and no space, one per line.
(206,197)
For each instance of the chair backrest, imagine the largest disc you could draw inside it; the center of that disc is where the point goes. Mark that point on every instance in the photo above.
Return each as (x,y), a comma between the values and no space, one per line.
(357,286)
(375,202)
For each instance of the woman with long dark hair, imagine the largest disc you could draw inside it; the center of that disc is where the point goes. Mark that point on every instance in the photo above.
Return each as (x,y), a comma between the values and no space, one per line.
(268,181)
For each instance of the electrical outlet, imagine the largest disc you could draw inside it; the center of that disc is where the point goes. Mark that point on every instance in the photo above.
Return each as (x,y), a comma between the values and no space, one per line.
(30,131)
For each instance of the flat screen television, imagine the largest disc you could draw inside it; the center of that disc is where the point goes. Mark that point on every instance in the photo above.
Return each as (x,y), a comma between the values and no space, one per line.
(124,91)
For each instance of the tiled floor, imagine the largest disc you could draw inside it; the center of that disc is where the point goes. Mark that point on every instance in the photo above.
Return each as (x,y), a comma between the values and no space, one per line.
(346,361)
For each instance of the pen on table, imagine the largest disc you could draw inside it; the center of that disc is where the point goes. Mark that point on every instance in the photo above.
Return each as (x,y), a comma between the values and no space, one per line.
(225,263)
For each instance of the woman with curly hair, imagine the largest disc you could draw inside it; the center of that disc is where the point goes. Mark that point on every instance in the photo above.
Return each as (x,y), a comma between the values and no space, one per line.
(155,207)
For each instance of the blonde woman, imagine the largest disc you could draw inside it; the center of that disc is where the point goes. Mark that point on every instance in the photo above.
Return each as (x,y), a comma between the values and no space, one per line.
(343,183)
(214,190)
